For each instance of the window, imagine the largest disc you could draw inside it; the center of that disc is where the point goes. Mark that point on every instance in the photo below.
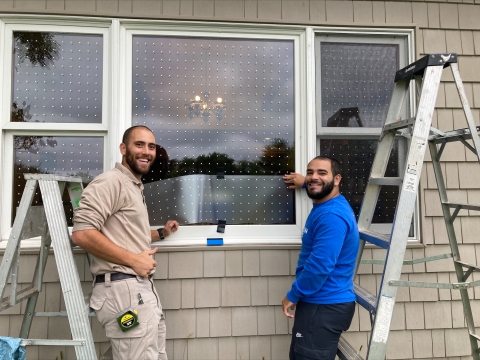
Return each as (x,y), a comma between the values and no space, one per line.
(54,122)
(223,111)
(354,85)
(233,107)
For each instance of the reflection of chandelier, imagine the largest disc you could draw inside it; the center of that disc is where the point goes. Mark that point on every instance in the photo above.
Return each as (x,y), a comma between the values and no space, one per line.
(201,105)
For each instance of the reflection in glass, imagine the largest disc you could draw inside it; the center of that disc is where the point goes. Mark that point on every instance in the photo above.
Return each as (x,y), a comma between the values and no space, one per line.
(74,156)
(356,159)
(356,83)
(57,78)
(252,135)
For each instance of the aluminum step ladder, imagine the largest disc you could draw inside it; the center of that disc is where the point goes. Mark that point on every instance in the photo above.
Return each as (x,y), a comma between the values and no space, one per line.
(56,234)
(426,73)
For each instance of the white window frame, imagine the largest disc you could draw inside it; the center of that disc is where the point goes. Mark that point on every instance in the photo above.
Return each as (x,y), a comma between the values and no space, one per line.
(405,39)
(74,25)
(117,111)
(234,234)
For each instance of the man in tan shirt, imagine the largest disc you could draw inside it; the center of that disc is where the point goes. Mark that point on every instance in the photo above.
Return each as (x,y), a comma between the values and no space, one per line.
(112,224)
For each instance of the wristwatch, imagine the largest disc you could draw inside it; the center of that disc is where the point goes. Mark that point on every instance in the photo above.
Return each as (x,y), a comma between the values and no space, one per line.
(160,233)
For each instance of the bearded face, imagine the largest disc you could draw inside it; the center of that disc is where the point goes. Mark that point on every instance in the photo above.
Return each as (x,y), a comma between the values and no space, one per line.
(325,190)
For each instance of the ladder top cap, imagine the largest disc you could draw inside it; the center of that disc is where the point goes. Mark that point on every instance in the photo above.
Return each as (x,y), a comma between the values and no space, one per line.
(419,66)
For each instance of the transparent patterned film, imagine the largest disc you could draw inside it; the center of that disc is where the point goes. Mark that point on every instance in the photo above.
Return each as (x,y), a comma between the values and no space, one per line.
(217,107)
(356,159)
(356,83)
(57,77)
(74,156)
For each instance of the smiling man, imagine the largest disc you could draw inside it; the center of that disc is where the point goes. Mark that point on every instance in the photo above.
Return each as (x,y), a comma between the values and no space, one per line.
(322,292)
(112,224)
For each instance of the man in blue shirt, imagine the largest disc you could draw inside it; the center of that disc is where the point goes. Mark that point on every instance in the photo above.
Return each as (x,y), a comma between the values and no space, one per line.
(323,289)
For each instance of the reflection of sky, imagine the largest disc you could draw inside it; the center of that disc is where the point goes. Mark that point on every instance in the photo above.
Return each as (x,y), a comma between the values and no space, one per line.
(358,75)
(70,156)
(70,90)
(254,77)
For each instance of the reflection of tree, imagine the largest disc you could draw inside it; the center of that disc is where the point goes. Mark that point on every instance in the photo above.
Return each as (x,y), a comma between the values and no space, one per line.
(39,48)
(278,157)
(21,113)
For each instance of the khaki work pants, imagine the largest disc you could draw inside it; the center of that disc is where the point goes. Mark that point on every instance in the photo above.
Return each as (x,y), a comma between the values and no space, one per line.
(143,342)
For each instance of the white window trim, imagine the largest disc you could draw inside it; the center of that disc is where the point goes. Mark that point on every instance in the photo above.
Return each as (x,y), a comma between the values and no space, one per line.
(405,37)
(234,234)
(47,24)
(116,112)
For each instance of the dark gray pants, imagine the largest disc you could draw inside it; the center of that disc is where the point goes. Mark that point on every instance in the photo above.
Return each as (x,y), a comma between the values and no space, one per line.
(317,329)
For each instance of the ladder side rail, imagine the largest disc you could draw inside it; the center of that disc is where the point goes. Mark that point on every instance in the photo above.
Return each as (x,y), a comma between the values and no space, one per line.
(404,213)
(454,247)
(69,279)
(14,275)
(14,238)
(466,108)
(37,282)
(380,162)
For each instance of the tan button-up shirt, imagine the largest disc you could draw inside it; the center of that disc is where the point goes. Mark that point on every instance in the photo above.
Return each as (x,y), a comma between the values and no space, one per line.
(113,204)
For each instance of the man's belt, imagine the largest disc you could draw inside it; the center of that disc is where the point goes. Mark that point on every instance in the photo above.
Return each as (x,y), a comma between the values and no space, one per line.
(115,276)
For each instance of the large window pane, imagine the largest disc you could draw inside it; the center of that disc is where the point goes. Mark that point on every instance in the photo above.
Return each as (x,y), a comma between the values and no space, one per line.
(223,112)
(62,155)
(57,78)
(356,83)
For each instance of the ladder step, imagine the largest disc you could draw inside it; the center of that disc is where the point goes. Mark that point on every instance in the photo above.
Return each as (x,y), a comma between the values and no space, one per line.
(345,351)
(453,135)
(365,299)
(475,336)
(381,240)
(463,206)
(401,124)
(108,355)
(468,266)
(21,295)
(387,181)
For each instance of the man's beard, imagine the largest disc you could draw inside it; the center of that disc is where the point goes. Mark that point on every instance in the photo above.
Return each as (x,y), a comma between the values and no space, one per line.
(130,160)
(326,190)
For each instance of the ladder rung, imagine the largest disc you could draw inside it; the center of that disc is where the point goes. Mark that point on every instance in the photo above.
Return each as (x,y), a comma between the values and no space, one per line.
(387,181)
(463,206)
(21,295)
(382,240)
(453,135)
(366,299)
(468,266)
(475,336)
(345,351)
(401,124)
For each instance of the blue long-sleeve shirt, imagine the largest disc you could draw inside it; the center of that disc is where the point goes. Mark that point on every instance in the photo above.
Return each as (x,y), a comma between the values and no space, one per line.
(326,263)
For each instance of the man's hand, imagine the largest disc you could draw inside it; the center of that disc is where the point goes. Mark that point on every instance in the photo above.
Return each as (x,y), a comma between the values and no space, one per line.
(144,263)
(287,304)
(170,227)
(294,180)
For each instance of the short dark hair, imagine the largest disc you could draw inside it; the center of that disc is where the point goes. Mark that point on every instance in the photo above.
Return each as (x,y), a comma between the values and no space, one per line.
(126,134)
(334,163)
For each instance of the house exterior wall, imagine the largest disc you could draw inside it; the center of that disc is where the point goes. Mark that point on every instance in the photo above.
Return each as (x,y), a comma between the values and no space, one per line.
(223,303)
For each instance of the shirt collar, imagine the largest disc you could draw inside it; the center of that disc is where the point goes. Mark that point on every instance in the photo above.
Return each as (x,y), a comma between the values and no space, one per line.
(129,174)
